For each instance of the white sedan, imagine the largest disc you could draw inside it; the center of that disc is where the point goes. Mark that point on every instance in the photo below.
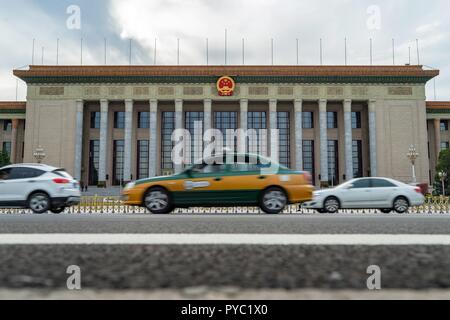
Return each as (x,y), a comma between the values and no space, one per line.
(367,193)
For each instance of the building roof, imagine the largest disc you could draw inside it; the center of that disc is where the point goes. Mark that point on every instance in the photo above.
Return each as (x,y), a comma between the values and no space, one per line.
(243,74)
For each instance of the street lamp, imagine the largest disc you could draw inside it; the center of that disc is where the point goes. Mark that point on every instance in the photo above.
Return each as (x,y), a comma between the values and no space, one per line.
(39,154)
(442,175)
(413,155)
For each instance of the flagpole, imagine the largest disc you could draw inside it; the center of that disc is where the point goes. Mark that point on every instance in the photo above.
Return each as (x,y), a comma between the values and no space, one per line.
(57,51)
(243,51)
(418,55)
(42,62)
(393,52)
(371,51)
(297,51)
(321,52)
(207,51)
(271,44)
(226,46)
(154,54)
(178,51)
(345,50)
(105,50)
(32,52)
(130,52)
(81,55)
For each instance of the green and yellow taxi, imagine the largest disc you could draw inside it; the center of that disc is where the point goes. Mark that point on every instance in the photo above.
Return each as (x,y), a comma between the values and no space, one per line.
(246,180)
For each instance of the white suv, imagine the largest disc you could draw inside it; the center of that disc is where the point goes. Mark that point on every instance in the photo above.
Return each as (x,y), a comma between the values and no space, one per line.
(38,187)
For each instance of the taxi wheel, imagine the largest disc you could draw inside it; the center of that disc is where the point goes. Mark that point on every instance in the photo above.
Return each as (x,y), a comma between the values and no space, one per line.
(57,210)
(273,200)
(158,201)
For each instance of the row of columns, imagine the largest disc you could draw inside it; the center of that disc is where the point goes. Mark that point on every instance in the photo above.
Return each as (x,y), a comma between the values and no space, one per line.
(273,103)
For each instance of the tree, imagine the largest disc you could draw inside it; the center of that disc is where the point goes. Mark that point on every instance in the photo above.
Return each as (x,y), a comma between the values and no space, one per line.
(444,166)
(4,159)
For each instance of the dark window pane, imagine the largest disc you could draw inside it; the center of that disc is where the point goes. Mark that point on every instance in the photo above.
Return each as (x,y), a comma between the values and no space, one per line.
(381,183)
(167,127)
(144,120)
(283,124)
(257,120)
(308,157)
(7,125)
(193,119)
(357,158)
(308,120)
(119,148)
(95,120)
(356,120)
(332,120)
(94,161)
(362,183)
(333,163)
(143,159)
(119,120)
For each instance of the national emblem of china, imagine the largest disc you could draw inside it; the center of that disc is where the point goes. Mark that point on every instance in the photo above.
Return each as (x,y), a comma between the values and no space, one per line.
(226,86)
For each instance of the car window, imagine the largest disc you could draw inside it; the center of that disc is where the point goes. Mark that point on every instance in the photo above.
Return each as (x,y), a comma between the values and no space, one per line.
(4,174)
(381,183)
(209,168)
(25,173)
(360,184)
(244,167)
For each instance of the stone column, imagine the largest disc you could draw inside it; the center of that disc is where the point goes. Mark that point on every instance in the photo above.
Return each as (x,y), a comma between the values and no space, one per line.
(104,106)
(323,142)
(373,138)
(178,125)
(243,126)
(298,107)
(207,105)
(273,123)
(348,139)
(153,143)
(13,155)
(128,141)
(79,140)
(437,138)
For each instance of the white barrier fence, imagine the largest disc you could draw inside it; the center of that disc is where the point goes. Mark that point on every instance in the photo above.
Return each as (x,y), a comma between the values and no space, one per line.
(113,205)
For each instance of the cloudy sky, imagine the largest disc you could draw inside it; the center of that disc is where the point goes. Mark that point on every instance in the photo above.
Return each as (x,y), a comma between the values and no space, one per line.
(194,21)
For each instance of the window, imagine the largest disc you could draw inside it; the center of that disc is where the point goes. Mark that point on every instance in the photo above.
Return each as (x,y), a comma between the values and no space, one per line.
(245,167)
(119,148)
(167,128)
(444,125)
(7,147)
(332,120)
(445,145)
(24,173)
(333,163)
(209,168)
(119,120)
(95,120)
(94,161)
(223,121)
(308,157)
(284,130)
(7,125)
(356,120)
(143,159)
(257,121)
(357,158)
(193,119)
(361,184)
(4,174)
(307,120)
(381,183)
(143,120)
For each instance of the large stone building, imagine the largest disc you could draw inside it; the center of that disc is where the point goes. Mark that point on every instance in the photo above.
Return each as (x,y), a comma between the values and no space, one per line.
(111,124)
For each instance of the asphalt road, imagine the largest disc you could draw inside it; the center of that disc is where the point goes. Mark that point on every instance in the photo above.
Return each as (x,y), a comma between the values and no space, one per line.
(242,267)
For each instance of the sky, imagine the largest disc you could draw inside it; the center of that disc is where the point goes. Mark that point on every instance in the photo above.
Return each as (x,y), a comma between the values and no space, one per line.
(259,22)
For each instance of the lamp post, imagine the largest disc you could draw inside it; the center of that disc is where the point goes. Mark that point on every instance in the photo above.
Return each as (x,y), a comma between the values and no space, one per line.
(39,154)
(413,155)
(442,175)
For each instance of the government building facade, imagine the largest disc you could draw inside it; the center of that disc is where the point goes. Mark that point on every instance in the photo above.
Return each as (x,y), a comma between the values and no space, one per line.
(108,125)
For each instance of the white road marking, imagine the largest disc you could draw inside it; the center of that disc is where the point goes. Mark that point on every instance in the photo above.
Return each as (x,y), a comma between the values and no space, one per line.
(225,239)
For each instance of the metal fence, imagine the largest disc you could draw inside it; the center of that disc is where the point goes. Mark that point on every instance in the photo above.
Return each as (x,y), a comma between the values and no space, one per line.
(113,205)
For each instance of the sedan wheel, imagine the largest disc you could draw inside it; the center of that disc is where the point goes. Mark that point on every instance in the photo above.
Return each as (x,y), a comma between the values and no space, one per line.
(331,205)
(273,201)
(58,210)
(158,201)
(401,205)
(386,211)
(39,203)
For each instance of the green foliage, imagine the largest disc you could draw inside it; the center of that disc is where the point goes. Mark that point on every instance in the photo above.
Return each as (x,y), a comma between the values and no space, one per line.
(4,159)
(442,166)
